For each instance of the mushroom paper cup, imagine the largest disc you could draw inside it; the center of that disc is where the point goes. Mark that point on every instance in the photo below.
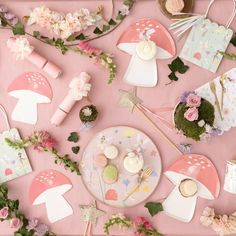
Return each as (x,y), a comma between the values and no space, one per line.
(194,176)
(145,40)
(30,89)
(48,187)
(230,177)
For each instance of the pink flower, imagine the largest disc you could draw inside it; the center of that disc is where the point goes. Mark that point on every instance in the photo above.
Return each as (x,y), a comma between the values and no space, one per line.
(193,100)
(4,212)
(191,114)
(44,140)
(15,223)
(139,220)
(147,225)
(84,46)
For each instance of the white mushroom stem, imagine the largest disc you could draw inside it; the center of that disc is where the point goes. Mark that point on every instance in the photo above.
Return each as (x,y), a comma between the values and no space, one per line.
(180,207)
(141,73)
(25,110)
(57,208)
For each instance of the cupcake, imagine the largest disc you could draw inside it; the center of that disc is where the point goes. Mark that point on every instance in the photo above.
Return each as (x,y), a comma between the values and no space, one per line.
(188,188)
(133,162)
(88,115)
(110,174)
(174,6)
(111,151)
(100,161)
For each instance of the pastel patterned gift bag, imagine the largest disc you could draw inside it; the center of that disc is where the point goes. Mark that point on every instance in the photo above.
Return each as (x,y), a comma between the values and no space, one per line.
(13,163)
(206,40)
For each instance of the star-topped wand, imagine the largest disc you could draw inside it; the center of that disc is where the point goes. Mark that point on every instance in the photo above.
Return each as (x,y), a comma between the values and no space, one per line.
(90,214)
(128,99)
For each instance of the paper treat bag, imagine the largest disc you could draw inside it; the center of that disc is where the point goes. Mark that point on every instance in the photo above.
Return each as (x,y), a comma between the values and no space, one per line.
(13,163)
(205,41)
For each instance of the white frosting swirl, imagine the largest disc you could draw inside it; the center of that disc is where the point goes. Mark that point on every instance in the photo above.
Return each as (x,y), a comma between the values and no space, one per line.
(146,50)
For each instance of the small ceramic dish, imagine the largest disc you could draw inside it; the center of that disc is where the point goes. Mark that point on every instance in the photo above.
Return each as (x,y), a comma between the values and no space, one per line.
(188,8)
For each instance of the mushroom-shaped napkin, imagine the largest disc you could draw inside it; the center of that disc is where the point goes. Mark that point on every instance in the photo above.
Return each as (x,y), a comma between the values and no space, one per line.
(48,187)
(146,40)
(30,89)
(193,176)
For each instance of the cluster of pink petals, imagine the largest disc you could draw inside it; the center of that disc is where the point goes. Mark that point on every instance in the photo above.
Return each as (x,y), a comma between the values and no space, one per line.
(141,222)
(85,47)
(4,212)
(14,222)
(61,24)
(221,224)
(191,114)
(44,140)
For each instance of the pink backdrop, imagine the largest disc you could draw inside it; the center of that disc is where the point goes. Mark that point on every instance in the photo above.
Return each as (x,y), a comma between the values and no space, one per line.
(218,149)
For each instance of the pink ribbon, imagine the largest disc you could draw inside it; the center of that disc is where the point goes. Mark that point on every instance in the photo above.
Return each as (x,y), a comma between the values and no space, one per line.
(155,114)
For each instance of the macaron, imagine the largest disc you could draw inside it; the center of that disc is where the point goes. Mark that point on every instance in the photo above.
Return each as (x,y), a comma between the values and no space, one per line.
(110,174)
(111,151)
(188,187)
(133,163)
(174,6)
(100,161)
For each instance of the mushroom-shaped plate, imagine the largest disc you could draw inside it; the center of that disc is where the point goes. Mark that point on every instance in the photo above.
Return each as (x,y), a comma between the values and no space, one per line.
(48,187)
(199,169)
(30,88)
(146,40)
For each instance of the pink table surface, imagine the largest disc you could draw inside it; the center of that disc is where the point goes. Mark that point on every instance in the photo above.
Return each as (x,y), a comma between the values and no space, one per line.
(218,149)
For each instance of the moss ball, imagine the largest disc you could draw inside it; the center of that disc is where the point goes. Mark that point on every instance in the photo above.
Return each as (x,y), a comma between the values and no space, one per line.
(88,113)
(191,129)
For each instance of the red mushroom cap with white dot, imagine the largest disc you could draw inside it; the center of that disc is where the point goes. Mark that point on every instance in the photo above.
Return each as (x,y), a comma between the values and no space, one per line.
(32,84)
(198,168)
(46,181)
(158,34)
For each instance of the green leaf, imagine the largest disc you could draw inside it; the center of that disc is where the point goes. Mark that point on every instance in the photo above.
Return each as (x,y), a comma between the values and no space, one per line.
(177,65)
(18,29)
(173,77)
(233,40)
(154,207)
(120,16)
(97,31)
(105,28)
(71,38)
(59,42)
(80,37)
(74,137)
(75,149)
(36,34)
(112,22)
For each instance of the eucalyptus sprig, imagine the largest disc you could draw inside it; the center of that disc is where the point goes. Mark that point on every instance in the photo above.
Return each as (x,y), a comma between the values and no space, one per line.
(43,141)
(12,212)
(117,220)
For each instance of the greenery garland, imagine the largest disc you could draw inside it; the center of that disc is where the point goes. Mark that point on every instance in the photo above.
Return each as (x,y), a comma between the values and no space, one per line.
(104,58)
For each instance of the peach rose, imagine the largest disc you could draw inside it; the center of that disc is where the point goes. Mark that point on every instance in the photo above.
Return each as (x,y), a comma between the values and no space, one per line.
(193,100)
(191,114)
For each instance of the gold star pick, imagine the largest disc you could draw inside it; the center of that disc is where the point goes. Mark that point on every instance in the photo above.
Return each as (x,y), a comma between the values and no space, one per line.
(129,99)
(90,213)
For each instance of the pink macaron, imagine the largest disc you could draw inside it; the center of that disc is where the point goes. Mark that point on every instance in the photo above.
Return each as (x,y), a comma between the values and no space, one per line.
(100,161)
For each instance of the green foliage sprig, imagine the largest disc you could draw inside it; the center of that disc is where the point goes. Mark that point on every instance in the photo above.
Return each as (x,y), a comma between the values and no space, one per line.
(177,65)
(13,212)
(154,207)
(42,141)
(117,220)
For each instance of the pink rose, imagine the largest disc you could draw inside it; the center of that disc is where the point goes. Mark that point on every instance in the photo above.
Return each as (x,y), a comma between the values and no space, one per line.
(15,223)
(4,212)
(193,100)
(191,114)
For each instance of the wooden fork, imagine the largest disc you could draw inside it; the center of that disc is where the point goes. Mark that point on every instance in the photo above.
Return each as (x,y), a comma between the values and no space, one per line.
(145,174)
(213,90)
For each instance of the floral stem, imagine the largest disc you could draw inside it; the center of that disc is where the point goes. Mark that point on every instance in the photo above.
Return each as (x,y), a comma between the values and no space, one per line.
(230,56)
